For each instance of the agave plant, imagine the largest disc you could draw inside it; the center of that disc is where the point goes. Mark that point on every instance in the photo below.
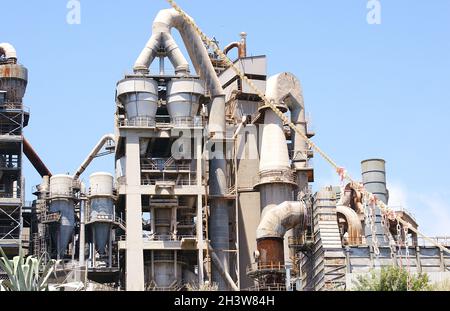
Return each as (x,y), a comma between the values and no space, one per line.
(24,274)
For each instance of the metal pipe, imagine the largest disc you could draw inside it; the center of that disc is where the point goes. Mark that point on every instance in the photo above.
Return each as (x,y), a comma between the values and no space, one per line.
(162,38)
(164,21)
(274,151)
(279,219)
(8,51)
(239,128)
(93,153)
(35,160)
(82,233)
(229,47)
(241,46)
(217,262)
(355,229)
(285,89)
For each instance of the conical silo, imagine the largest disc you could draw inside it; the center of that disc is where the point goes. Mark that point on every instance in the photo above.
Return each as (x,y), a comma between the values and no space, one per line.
(139,96)
(101,209)
(61,201)
(183,97)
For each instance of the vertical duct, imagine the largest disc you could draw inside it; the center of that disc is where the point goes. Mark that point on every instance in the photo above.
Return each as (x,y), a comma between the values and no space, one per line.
(374,180)
(276,184)
(286,91)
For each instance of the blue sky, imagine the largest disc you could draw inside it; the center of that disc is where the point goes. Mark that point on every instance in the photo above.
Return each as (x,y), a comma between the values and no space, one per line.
(371,90)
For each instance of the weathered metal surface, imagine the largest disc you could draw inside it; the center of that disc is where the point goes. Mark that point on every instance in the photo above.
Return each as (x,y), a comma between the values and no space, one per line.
(271,251)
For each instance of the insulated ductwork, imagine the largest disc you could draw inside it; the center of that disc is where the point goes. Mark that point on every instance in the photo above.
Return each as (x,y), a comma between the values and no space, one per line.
(274,151)
(8,51)
(285,90)
(278,220)
(274,225)
(164,22)
(162,39)
(93,154)
(354,226)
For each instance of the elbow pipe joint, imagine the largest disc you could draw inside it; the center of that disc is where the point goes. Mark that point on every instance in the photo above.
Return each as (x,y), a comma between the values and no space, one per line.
(280,219)
(92,154)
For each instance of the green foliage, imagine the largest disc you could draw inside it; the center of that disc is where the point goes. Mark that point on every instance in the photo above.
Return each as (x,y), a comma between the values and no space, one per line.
(392,279)
(24,274)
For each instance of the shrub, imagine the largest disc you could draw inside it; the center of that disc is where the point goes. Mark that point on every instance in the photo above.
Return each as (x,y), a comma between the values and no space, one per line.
(392,279)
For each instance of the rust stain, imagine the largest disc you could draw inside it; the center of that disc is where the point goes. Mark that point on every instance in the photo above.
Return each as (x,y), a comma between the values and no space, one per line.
(271,251)
(6,71)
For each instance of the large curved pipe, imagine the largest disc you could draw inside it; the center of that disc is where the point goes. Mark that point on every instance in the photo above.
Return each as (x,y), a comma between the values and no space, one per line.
(162,39)
(280,219)
(286,88)
(229,47)
(93,153)
(355,229)
(8,51)
(241,46)
(164,22)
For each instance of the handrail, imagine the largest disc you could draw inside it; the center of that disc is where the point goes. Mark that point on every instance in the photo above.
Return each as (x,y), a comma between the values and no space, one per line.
(162,121)
(180,182)
(166,237)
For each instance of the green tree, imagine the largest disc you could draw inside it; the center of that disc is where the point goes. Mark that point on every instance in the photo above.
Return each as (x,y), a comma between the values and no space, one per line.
(392,279)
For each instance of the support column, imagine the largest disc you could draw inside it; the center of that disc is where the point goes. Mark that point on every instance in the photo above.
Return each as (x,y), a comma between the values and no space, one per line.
(134,253)
(82,233)
(199,225)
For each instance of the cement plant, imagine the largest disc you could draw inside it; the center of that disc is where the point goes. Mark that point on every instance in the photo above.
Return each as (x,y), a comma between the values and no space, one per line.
(211,188)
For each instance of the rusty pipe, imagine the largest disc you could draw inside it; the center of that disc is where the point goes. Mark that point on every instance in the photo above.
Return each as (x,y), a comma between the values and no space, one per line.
(35,160)
(229,47)
(355,229)
(241,46)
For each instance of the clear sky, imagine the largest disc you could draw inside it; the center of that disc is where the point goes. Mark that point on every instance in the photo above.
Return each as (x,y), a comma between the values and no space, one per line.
(372,90)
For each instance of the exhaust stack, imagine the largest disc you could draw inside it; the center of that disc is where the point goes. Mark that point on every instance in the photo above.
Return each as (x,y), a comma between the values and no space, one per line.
(374,180)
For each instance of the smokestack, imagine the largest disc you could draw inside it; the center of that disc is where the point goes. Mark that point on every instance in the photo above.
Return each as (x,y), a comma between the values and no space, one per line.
(374,181)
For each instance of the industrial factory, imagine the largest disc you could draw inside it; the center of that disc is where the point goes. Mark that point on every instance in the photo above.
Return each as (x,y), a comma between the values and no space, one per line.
(210,189)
